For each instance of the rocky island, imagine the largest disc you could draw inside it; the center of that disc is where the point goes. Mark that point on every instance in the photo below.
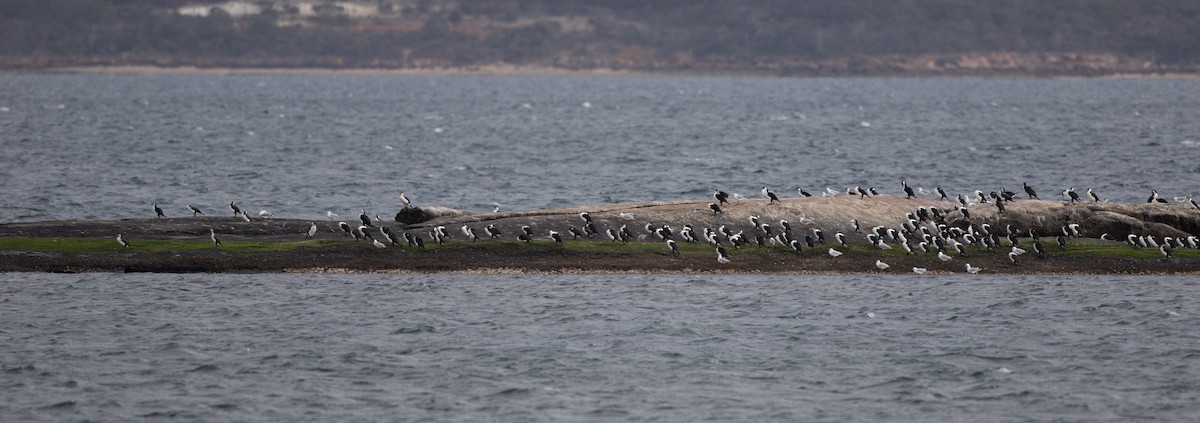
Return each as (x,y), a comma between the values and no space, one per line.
(1078,238)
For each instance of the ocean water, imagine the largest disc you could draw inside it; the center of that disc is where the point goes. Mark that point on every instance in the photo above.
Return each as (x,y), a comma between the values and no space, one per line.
(458,347)
(106,146)
(448,347)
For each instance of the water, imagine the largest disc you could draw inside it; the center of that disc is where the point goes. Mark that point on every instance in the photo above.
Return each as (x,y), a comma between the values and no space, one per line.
(106,146)
(552,348)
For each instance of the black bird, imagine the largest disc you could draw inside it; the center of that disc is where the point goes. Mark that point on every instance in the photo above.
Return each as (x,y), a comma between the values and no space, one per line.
(524,237)
(362,230)
(212,233)
(966,214)
(1095,199)
(1154,197)
(872,191)
(908,191)
(121,240)
(1074,197)
(233,206)
(942,194)
(820,235)
(674,247)
(1007,195)
(1037,246)
(575,233)
(345,228)
(157,211)
(808,240)
(722,197)
(491,231)
(1062,242)
(715,208)
(1000,206)
(529,231)
(771,195)
(795,244)
(841,238)
(420,241)
(195,211)
(787,227)
(862,193)
(362,215)
(587,218)
(803,192)
(1029,191)
(556,237)
(1165,249)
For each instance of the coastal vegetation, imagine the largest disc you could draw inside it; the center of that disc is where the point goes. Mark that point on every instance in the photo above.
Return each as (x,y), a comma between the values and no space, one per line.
(780,37)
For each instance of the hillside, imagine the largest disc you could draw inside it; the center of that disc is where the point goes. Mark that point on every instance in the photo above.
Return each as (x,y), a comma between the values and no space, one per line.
(803,37)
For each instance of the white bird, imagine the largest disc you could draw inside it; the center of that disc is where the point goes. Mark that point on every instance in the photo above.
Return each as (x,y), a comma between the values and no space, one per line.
(312,230)
(722,259)
(1018,250)
(920,270)
(265,215)
(331,215)
(625,216)
(404,199)
(972,269)
(943,257)
(377,244)
(881,265)
(834,253)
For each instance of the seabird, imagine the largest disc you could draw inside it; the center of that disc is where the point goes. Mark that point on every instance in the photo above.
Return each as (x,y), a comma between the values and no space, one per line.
(362,215)
(377,244)
(625,216)
(972,269)
(1074,228)
(420,242)
(391,236)
(1073,196)
(1037,246)
(195,211)
(233,206)
(1012,256)
(999,206)
(312,230)
(829,192)
(1105,236)
(908,191)
(943,256)
(408,238)
(920,270)
(754,220)
(404,199)
(1165,249)
(721,258)
(722,197)
(1095,199)
(872,191)
(121,240)
(803,193)
(612,234)
(922,191)
(854,224)
(787,227)
(841,238)
(715,208)
(331,215)
(1193,202)
(795,244)
(808,240)
(834,253)
(883,267)
(345,228)
(962,251)
(942,194)
(1029,191)
(556,237)
(770,195)
(1018,250)
(212,234)
(862,193)
(362,230)
(674,247)
(961,200)
(587,218)
(1007,195)
(266,215)
(245,216)
(491,231)
(157,211)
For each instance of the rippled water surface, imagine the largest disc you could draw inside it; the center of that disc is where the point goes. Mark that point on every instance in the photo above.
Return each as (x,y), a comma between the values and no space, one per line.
(106,146)
(113,347)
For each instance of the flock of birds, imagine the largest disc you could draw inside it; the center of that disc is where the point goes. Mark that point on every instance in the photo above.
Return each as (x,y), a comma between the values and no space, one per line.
(924,231)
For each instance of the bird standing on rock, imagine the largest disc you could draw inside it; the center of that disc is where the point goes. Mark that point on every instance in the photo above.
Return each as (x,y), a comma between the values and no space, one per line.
(233,206)
(770,195)
(722,197)
(157,211)
(195,211)
(1029,191)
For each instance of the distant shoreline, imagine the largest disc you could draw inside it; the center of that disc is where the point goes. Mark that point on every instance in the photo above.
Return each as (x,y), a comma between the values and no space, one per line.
(514,70)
